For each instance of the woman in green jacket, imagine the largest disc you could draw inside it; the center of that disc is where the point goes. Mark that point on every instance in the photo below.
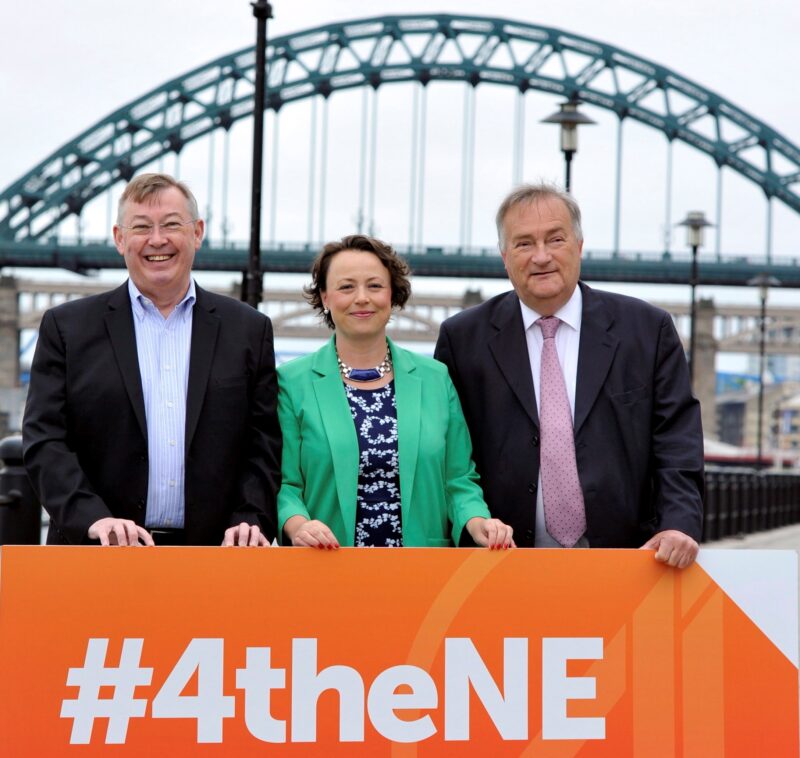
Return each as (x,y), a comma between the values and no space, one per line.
(375,448)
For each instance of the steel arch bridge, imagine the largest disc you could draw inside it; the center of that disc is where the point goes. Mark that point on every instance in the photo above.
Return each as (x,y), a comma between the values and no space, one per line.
(376,51)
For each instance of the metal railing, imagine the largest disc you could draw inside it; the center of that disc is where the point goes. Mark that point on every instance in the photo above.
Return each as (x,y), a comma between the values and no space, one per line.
(20,512)
(742,501)
(738,501)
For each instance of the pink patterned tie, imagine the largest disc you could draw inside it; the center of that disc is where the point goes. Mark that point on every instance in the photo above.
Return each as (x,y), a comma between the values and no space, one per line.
(564,511)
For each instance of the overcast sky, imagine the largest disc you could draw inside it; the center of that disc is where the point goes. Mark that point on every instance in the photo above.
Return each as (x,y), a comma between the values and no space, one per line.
(63,66)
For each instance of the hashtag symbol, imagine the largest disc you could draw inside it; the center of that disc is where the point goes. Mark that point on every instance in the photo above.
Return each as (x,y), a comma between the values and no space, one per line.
(121,706)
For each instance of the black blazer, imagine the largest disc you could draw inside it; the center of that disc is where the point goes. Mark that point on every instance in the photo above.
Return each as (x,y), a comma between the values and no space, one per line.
(638,435)
(85,434)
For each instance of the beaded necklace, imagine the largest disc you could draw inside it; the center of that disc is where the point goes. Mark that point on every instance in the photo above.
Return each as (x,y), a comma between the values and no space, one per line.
(366,374)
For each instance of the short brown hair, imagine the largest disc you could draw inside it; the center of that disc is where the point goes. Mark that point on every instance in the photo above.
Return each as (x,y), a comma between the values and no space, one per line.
(146,186)
(533,193)
(398,269)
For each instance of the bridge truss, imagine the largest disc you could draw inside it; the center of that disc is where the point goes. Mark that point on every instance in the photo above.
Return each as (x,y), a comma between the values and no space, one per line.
(373,52)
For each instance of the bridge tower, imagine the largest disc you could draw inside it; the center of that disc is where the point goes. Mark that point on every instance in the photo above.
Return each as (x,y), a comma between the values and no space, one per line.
(9,333)
(705,375)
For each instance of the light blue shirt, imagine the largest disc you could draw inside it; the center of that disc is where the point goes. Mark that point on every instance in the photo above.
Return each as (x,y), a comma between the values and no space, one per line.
(163,346)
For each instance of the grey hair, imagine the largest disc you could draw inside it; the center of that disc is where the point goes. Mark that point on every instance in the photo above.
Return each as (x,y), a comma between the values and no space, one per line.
(145,187)
(533,193)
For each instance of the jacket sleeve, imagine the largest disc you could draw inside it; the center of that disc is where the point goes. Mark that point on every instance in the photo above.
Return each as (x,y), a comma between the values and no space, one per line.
(290,496)
(677,440)
(50,457)
(463,493)
(261,475)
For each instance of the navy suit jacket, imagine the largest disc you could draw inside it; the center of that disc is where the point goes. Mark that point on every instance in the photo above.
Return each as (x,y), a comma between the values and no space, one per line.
(638,435)
(85,431)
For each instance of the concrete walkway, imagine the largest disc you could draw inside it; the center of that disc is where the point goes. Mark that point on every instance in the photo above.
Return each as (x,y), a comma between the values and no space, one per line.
(785,538)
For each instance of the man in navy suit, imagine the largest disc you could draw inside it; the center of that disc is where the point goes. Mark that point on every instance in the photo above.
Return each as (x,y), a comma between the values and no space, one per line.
(152,409)
(637,430)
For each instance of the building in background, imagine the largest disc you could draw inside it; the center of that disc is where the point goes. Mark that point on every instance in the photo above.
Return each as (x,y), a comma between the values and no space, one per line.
(737,417)
(787,424)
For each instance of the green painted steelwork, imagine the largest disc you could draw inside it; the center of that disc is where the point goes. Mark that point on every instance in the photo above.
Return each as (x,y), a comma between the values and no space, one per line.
(377,51)
(483,262)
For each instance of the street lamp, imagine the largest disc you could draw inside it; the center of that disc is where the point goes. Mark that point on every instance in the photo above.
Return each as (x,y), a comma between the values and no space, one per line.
(763,282)
(568,116)
(695,222)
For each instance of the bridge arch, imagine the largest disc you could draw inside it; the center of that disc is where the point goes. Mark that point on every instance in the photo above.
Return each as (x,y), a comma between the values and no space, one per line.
(382,50)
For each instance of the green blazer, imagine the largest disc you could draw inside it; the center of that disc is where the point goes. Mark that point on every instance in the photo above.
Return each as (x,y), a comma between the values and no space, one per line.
(439,490)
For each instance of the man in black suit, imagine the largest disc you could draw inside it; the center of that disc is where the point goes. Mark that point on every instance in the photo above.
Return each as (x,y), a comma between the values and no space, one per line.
(638,442)
(151,415)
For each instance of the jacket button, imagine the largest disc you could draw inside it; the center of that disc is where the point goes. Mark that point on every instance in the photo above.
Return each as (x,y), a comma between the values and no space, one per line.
(140,503)
(531,488)
(535,439)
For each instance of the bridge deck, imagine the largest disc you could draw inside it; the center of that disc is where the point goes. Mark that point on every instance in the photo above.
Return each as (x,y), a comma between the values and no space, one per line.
(485,262)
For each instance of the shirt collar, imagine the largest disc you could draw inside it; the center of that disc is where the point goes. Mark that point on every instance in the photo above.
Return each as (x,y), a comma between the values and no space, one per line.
(570,313)
(140,304)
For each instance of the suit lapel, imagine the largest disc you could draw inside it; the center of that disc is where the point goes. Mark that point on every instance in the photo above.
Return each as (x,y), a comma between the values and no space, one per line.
(119,323)
(408,389)
(595,354)
(337,421)
(510,351)
(205,327)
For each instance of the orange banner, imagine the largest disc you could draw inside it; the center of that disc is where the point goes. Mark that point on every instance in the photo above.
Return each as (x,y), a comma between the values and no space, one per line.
(411,652)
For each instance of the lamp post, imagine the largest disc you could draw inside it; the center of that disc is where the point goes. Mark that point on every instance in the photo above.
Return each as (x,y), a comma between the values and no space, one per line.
(763,282)
(252,282)
(569,117)
(695,222)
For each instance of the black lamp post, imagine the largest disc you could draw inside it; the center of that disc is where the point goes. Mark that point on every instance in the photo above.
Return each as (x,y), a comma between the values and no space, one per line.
(763,282)
(695,222)
(569,117)
(252,282)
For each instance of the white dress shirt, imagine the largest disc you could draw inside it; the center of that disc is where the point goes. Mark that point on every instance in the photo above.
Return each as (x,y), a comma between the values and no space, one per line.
(567,345)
